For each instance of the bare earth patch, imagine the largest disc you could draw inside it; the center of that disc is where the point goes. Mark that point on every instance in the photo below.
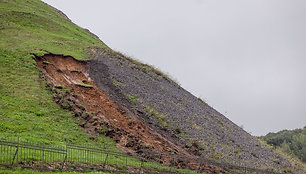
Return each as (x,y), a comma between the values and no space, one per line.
(102,116)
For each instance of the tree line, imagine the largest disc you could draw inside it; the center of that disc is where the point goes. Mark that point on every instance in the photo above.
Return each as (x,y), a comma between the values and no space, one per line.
(292,142)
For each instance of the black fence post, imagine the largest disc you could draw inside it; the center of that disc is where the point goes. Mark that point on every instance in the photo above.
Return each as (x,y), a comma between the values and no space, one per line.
(126,166)
(105,160)
(43,154)
(170,166)
(141,165)
(16,153)
(65,156)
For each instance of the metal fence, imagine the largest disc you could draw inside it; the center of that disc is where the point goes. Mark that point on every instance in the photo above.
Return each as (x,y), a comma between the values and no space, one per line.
(14,152)
(40,156)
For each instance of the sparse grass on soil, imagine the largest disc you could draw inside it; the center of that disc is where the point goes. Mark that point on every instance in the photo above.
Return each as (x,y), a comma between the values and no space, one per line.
(36,172)
(85,85)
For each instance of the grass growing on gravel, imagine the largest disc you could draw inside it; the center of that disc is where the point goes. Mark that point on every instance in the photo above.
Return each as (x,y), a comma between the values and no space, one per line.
(160,117)
(133,99)
(133,63)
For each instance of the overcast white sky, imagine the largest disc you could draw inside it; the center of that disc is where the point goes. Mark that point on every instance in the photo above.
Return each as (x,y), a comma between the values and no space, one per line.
(247,59)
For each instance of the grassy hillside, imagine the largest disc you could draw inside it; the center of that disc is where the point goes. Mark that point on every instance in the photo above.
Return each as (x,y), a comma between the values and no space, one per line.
(292,142)
(34,27)
(27,109)
(26,106)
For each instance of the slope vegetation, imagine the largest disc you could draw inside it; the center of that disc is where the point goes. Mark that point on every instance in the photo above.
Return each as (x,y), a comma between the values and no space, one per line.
(292,142)
(105,97)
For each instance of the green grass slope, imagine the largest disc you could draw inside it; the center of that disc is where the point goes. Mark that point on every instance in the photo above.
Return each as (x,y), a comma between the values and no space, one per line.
(34,27)
(26,107)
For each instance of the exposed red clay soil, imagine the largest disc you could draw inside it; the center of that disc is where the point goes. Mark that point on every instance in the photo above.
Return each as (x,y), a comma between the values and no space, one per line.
(100,114)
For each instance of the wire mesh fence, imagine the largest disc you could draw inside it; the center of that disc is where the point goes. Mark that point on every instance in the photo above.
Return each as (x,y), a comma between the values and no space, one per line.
(15,153)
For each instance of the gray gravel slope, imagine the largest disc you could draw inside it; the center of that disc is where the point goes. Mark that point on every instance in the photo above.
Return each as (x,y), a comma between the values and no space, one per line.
(165,105)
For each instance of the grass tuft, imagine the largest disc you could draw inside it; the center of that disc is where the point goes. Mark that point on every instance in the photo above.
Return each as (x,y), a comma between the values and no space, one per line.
(84,85)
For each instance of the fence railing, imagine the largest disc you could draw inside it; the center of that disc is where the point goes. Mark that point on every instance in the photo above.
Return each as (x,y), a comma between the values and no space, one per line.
(24,154)
(40,156)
